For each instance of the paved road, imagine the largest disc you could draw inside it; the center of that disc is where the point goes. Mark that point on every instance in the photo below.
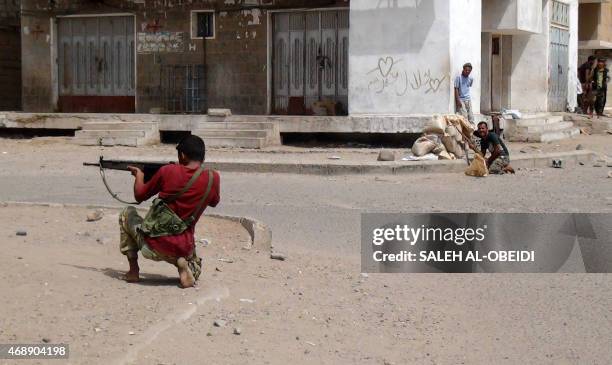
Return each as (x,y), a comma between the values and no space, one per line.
(315,212)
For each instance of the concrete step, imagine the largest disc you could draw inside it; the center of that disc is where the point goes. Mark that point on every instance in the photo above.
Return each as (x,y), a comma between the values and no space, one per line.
(107,141)
(232,133)
(240,142)
(236,125)
(535,121)
(110,133)
(554,135)
(548,127)
(119,126)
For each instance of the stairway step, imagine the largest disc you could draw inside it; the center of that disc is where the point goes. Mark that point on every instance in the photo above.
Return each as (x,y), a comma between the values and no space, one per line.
(554,135)
(240,142)
(111,133)
(231,133)
(236,125)
(538,121)
(119,126)
(550,127)
(107,141)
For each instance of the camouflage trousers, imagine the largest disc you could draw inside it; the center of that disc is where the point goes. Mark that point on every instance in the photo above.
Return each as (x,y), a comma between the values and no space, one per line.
(132,241)
(497,167)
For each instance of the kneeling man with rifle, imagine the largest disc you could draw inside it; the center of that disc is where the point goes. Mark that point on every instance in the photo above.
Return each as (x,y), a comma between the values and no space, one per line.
(167,232)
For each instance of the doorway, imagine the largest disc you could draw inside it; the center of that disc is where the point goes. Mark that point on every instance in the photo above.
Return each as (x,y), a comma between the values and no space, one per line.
(96,64)
(310,62)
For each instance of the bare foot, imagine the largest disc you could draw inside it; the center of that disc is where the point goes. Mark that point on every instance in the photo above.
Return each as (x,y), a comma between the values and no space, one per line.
(132,276)
(187,279)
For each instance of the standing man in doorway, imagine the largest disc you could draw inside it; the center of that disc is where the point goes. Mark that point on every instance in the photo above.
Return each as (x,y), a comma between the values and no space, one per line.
(463,100)
(585,76)
(601,78)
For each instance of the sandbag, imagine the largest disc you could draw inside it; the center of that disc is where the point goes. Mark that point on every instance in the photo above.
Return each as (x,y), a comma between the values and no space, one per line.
(439,149)
(424,145)
(446,156)
(478,167)
(452,146)
(436,125)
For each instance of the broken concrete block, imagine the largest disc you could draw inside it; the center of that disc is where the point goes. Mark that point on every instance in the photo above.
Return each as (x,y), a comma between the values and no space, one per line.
(219,112)
(386,156)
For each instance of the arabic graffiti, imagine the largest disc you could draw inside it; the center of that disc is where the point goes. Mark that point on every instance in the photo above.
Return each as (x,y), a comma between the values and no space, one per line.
(425,80)
(388,75)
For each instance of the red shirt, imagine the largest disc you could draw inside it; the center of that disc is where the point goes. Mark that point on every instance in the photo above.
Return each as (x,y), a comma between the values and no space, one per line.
(169,180)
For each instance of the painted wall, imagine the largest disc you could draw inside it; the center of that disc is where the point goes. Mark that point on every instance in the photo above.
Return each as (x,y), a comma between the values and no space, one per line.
(511,16)
(399,57)
(572,94)
(529,80)
(465,45)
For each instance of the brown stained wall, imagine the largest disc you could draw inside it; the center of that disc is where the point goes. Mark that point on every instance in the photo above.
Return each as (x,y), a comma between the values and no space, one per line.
(235,61)
(10,56)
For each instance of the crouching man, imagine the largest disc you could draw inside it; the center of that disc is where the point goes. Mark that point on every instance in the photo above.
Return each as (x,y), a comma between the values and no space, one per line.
(499,159)
(167,232)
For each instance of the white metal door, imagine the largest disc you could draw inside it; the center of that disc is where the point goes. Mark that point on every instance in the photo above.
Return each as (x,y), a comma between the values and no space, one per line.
(559,57)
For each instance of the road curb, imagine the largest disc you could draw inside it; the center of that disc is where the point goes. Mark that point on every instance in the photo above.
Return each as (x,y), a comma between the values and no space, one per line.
(261,234)
(570,159)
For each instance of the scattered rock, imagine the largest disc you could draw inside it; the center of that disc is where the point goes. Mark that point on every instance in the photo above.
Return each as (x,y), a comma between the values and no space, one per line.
(334,157)
(581,163)
(364,275)
(229,261)
(609,174)
(208,334)
(46,339)
(220,323)
(131,333)
(579,147)
(278,256)
(97,329)
(204,242)
(95,215)
(21,232)
(247,300)
(217,269)
(4,204)
(386,156)
(237,331)
(19,258)
(598,164)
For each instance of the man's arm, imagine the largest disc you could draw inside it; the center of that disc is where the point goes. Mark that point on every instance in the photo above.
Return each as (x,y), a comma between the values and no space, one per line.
(142,190)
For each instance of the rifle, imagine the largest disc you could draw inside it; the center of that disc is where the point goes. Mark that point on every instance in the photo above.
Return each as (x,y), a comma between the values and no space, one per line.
(149,168)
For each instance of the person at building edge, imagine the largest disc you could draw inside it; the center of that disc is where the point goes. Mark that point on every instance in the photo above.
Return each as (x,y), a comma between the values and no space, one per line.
(601,77)
(585,72)
(463,99)
(499,159)
(167,232)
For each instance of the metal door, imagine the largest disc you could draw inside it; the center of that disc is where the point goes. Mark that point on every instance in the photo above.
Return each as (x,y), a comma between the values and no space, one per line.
(96,64)
(310,60)
(559,57)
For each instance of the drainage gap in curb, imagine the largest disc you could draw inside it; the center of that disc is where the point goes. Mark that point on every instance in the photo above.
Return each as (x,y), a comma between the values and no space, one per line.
(27,133)
(172,137)
(350,140)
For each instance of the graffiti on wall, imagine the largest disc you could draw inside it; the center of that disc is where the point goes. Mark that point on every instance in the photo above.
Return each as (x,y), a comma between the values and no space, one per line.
(389,76)
(160,42)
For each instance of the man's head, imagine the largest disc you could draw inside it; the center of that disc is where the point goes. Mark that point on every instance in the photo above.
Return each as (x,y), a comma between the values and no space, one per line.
(467,69)
(191,148)
(483,129)
(601,63)
(592,60)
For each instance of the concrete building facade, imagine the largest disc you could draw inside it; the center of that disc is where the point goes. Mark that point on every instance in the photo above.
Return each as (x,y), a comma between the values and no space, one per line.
(369,59)
(10,55)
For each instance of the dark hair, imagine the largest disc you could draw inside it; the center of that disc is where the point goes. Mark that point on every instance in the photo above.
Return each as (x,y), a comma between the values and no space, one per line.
(192,147)
(485,123)
(592,58)
(468,65)
(602,60)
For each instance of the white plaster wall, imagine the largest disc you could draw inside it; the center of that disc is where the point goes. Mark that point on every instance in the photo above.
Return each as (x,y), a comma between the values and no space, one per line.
(512,16)
(485,63)
(529,80)
(573,56)
(399,62)
(465,44)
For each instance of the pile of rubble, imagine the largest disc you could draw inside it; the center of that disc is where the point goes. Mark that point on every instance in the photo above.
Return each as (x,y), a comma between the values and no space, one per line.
(443,139)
